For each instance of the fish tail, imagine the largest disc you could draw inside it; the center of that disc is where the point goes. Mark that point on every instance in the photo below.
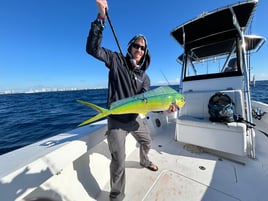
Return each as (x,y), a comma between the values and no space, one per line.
(102,112)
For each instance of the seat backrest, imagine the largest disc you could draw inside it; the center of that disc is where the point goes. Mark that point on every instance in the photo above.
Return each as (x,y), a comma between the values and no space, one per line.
(196,104)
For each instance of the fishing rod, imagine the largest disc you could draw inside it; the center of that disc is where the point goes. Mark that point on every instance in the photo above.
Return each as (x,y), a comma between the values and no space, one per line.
(115,36)
(165,77)
(118,45)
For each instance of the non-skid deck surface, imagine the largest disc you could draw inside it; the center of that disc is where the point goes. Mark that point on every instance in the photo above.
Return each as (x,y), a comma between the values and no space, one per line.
(184,174)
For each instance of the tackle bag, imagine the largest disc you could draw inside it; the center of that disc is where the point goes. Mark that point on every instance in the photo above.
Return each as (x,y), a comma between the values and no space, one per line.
(220,108)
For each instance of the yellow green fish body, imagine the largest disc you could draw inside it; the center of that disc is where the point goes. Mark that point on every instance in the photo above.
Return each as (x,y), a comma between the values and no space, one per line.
(158,99)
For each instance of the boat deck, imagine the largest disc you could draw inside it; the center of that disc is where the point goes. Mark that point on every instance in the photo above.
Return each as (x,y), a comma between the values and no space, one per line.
(188,172)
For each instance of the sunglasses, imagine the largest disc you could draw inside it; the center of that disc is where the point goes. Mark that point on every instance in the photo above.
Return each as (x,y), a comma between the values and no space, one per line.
(136,46)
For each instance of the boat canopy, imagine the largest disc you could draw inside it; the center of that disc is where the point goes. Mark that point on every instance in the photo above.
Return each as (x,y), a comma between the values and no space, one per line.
(215,33)
(254,42)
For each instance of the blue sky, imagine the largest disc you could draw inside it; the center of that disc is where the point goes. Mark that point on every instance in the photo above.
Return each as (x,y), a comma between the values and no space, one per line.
(42,42)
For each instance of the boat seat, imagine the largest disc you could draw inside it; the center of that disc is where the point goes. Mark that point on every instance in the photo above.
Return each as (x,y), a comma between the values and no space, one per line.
(194,127)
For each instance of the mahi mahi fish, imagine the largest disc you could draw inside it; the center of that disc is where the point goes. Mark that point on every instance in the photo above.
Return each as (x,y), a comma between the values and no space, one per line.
(158,99)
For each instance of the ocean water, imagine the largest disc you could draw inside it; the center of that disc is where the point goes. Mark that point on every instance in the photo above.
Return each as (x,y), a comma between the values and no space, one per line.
(28,118)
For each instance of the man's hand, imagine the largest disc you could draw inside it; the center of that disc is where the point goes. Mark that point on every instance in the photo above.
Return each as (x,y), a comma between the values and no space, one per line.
(172,108)
(102,6)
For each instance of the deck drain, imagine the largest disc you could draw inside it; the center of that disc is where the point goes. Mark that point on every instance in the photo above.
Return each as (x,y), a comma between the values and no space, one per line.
(158,122)
(202,167)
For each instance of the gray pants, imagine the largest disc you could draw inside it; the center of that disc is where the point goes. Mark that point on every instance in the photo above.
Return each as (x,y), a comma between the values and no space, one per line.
(116,136)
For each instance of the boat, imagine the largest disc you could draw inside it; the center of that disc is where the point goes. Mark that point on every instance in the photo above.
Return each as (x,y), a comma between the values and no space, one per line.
(198,160)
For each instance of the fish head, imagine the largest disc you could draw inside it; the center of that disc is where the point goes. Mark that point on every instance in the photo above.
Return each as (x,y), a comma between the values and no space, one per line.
(179,100)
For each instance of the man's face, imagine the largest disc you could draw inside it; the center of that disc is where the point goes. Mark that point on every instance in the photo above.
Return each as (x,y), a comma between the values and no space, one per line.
(137,49)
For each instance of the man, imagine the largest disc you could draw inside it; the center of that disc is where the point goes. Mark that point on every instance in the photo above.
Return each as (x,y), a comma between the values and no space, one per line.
(127,77)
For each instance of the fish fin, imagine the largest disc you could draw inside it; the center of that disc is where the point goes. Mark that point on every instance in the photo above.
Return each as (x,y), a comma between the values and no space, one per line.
(102,112)
(93,106)
(95,118)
